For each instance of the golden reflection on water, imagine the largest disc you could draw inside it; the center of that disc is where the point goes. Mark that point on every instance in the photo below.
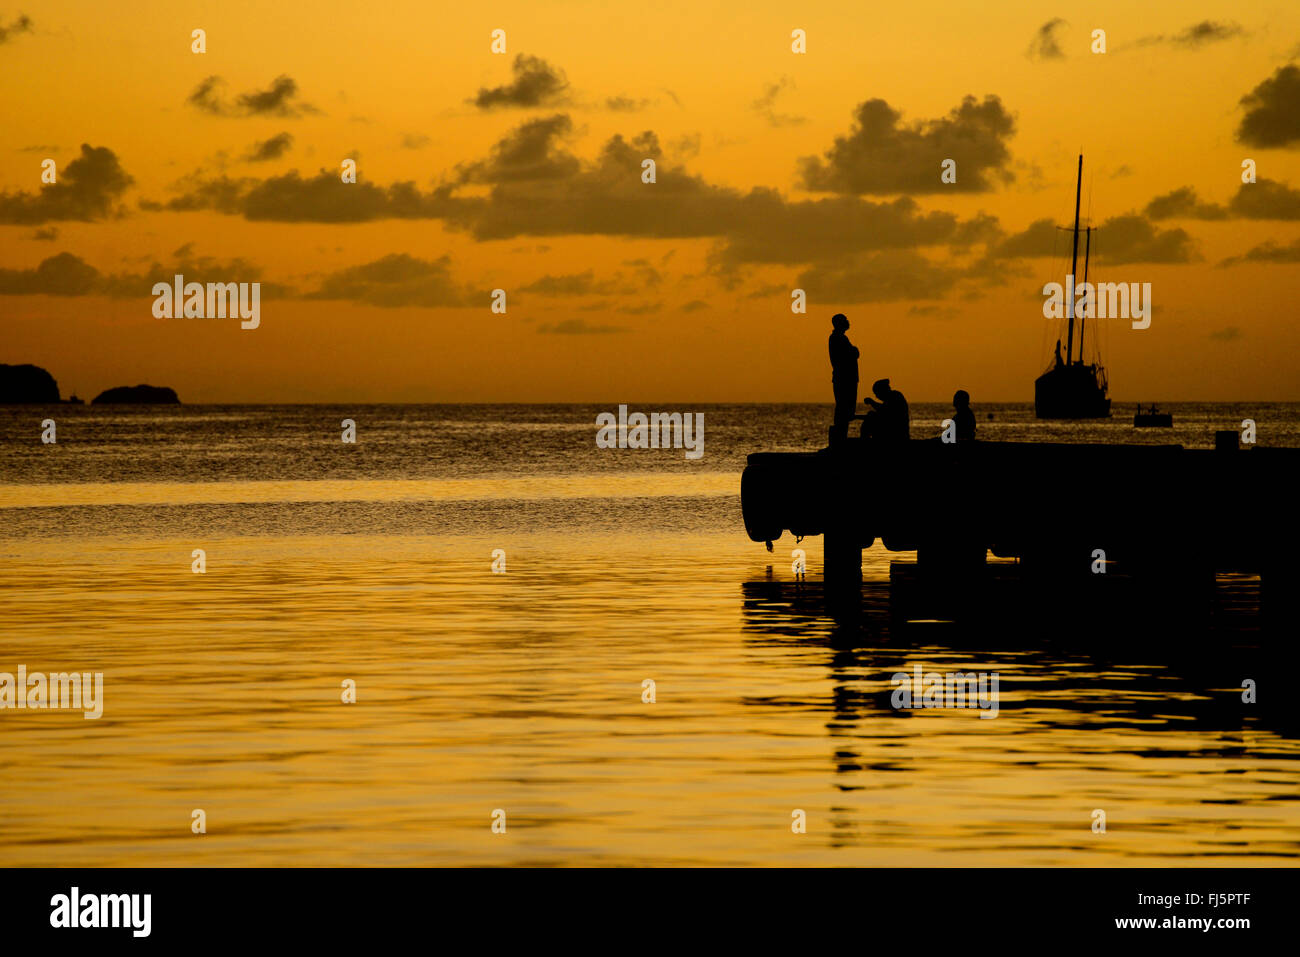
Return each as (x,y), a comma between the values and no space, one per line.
(523,692)
(371,490)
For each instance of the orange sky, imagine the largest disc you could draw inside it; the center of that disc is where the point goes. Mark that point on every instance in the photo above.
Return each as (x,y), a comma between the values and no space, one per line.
(623,291)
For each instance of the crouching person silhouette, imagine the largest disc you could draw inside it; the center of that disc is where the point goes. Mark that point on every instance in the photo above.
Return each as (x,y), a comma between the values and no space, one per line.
(889,420)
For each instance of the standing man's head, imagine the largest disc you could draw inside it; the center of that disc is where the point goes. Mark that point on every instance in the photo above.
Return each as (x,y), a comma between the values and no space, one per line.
(839,321)
(961,398)
(881,388)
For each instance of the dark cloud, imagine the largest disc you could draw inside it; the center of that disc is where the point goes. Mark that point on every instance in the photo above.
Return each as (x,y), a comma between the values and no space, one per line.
(48,234)
(536,83)
(193,268)
(1272,110)
(397,280)
(529,152)
(86,190)
(1132,239)
(624,104)
(980,228)
(1195,36)
(1129,238)
(880,156)
(880,277)
(765,105)
(21,25)
(275,100)
(1268,252)
(686,145)
(574,284)
(647,273)
(1183,204)
(769,289)
(640,309)
(1226,334)
(66,274)
(205,98)
(607,197)
(270,149)
(1266,199)
(1046,44)
(61,275)
(536,188)
(323,198)
(279,99)
(415,141)
(1208,31)
(576,327)
(695,305)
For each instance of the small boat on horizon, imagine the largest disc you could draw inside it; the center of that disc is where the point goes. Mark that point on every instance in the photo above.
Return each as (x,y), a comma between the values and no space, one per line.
(1153,418)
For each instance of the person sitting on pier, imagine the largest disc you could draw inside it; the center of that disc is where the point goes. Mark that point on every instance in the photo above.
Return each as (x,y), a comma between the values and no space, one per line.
(963,416)
(844,375)
(889,419)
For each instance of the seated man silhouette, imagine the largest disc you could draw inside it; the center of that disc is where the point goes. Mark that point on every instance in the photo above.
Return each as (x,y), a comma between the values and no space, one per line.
(963,416)
(889,420)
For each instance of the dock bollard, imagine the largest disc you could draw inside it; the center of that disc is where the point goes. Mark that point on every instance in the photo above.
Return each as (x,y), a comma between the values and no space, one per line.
(842,564)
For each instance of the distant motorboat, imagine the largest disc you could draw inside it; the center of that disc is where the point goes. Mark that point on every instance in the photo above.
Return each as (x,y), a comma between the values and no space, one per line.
(1153,418)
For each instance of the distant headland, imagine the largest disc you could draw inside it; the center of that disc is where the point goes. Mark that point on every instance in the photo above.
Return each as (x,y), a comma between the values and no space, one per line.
(31,385)
(27,385)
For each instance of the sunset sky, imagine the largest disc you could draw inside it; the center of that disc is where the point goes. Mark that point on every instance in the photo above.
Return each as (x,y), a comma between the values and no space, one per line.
(522,171)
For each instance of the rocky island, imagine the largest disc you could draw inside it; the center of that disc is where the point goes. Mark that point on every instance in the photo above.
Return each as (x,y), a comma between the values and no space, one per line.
(137,395)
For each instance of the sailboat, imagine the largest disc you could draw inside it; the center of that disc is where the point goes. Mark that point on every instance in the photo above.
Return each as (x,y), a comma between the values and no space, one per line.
(1072,388)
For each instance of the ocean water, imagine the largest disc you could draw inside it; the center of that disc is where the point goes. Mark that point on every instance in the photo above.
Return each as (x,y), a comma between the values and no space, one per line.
(523,692)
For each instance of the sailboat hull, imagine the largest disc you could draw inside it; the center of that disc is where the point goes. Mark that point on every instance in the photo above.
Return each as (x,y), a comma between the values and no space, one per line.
(1071,392)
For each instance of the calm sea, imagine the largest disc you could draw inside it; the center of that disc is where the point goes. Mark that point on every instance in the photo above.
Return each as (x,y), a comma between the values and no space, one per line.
(522,692)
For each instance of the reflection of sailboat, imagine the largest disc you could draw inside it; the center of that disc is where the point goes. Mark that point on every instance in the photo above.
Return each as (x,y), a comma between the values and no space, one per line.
(1072,388)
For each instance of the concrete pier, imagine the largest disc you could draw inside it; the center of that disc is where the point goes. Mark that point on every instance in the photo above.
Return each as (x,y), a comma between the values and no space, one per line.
(1155,513)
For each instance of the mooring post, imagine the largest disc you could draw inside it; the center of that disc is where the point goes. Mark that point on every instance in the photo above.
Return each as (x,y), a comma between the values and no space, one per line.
(842,565)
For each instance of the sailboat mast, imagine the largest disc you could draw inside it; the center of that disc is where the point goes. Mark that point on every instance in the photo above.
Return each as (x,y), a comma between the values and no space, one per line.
(1074,262)
(1087,250)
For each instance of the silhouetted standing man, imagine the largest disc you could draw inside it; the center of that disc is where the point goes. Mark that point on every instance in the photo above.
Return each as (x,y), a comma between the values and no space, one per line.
(962,416)
(844,376)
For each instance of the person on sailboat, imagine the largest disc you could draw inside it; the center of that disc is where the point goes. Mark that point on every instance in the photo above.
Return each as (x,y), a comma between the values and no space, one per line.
(844,375)
(889,419)
(1058,352)
(963,416)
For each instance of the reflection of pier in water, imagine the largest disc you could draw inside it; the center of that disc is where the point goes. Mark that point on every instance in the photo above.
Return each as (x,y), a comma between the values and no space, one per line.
(1085,671)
